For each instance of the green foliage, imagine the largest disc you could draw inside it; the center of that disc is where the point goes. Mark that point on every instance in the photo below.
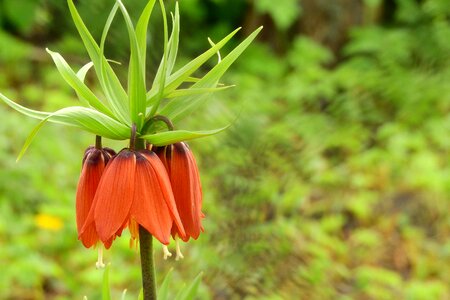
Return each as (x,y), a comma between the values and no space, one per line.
(121,110)
(284,13)
(332,183)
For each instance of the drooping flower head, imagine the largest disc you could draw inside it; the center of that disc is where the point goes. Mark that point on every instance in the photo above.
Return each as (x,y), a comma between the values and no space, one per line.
(185,180)
(133,190)
(94,163)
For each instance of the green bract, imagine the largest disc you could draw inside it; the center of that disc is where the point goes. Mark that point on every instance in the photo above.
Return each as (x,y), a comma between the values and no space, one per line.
(113,114)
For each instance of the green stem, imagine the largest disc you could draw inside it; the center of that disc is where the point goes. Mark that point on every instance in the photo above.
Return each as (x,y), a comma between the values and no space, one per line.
(146,251)
(157,118)
(147,264)
(98,142)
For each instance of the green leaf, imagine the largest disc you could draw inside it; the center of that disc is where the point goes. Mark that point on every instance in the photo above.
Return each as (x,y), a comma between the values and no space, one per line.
(171,137)
(136,79)
(124,294)
(176,79)
(106,293)
(180,292)
(192,79)
(194,91)
(172,47)
(191,291)
(160,79)
(81,74)
(115,94)
(24,110)
(30,138)
(82,117)
(84,93)
(178,108)
(85,118)
(141,29)
(174,40)
(163,292)
(141,295)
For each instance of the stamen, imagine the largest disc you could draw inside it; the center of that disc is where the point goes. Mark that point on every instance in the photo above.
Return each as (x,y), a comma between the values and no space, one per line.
(99,264)
(179,254)
(166,252)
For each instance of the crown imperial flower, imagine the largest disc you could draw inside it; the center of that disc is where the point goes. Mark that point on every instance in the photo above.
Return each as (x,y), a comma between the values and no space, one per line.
(133,190)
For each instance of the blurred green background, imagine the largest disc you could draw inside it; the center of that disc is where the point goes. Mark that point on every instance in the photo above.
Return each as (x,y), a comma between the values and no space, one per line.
(332,183)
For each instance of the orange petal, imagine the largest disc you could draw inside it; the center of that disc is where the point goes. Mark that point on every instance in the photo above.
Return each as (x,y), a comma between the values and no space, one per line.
(186,188)
(114,195)
(163,153)
(149,207)
(92,170)
(164,183)
(88,236)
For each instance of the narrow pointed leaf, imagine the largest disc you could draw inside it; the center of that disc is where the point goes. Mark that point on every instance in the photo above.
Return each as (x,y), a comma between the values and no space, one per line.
(81,74)
(24,110)
(171,137)
(191,291)
(174,40)
(178,108)
(30,138)
(163,291)
(84,118)
(141,29)
(160,78)
(124,294)
(181,292)
(111,85)
(192,79)
(176,79)
(194,91)
(84,93)
(136,79)
(172,47)
(106,293)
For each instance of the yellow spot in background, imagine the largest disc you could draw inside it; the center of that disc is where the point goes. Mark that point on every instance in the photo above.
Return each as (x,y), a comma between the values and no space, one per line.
(48,222)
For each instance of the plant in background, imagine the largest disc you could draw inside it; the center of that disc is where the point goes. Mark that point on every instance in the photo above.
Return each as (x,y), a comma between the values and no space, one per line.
(151,192)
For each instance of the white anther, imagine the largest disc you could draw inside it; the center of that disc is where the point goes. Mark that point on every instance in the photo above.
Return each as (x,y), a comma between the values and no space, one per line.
(99,264)
(166,252)
(179,254)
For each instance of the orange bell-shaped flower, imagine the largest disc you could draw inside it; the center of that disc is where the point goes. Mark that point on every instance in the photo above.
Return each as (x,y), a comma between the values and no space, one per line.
(184,177)
(94,163)
(134,189)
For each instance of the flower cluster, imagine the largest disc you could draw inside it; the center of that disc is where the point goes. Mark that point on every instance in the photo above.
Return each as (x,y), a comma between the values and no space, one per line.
(157,189)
